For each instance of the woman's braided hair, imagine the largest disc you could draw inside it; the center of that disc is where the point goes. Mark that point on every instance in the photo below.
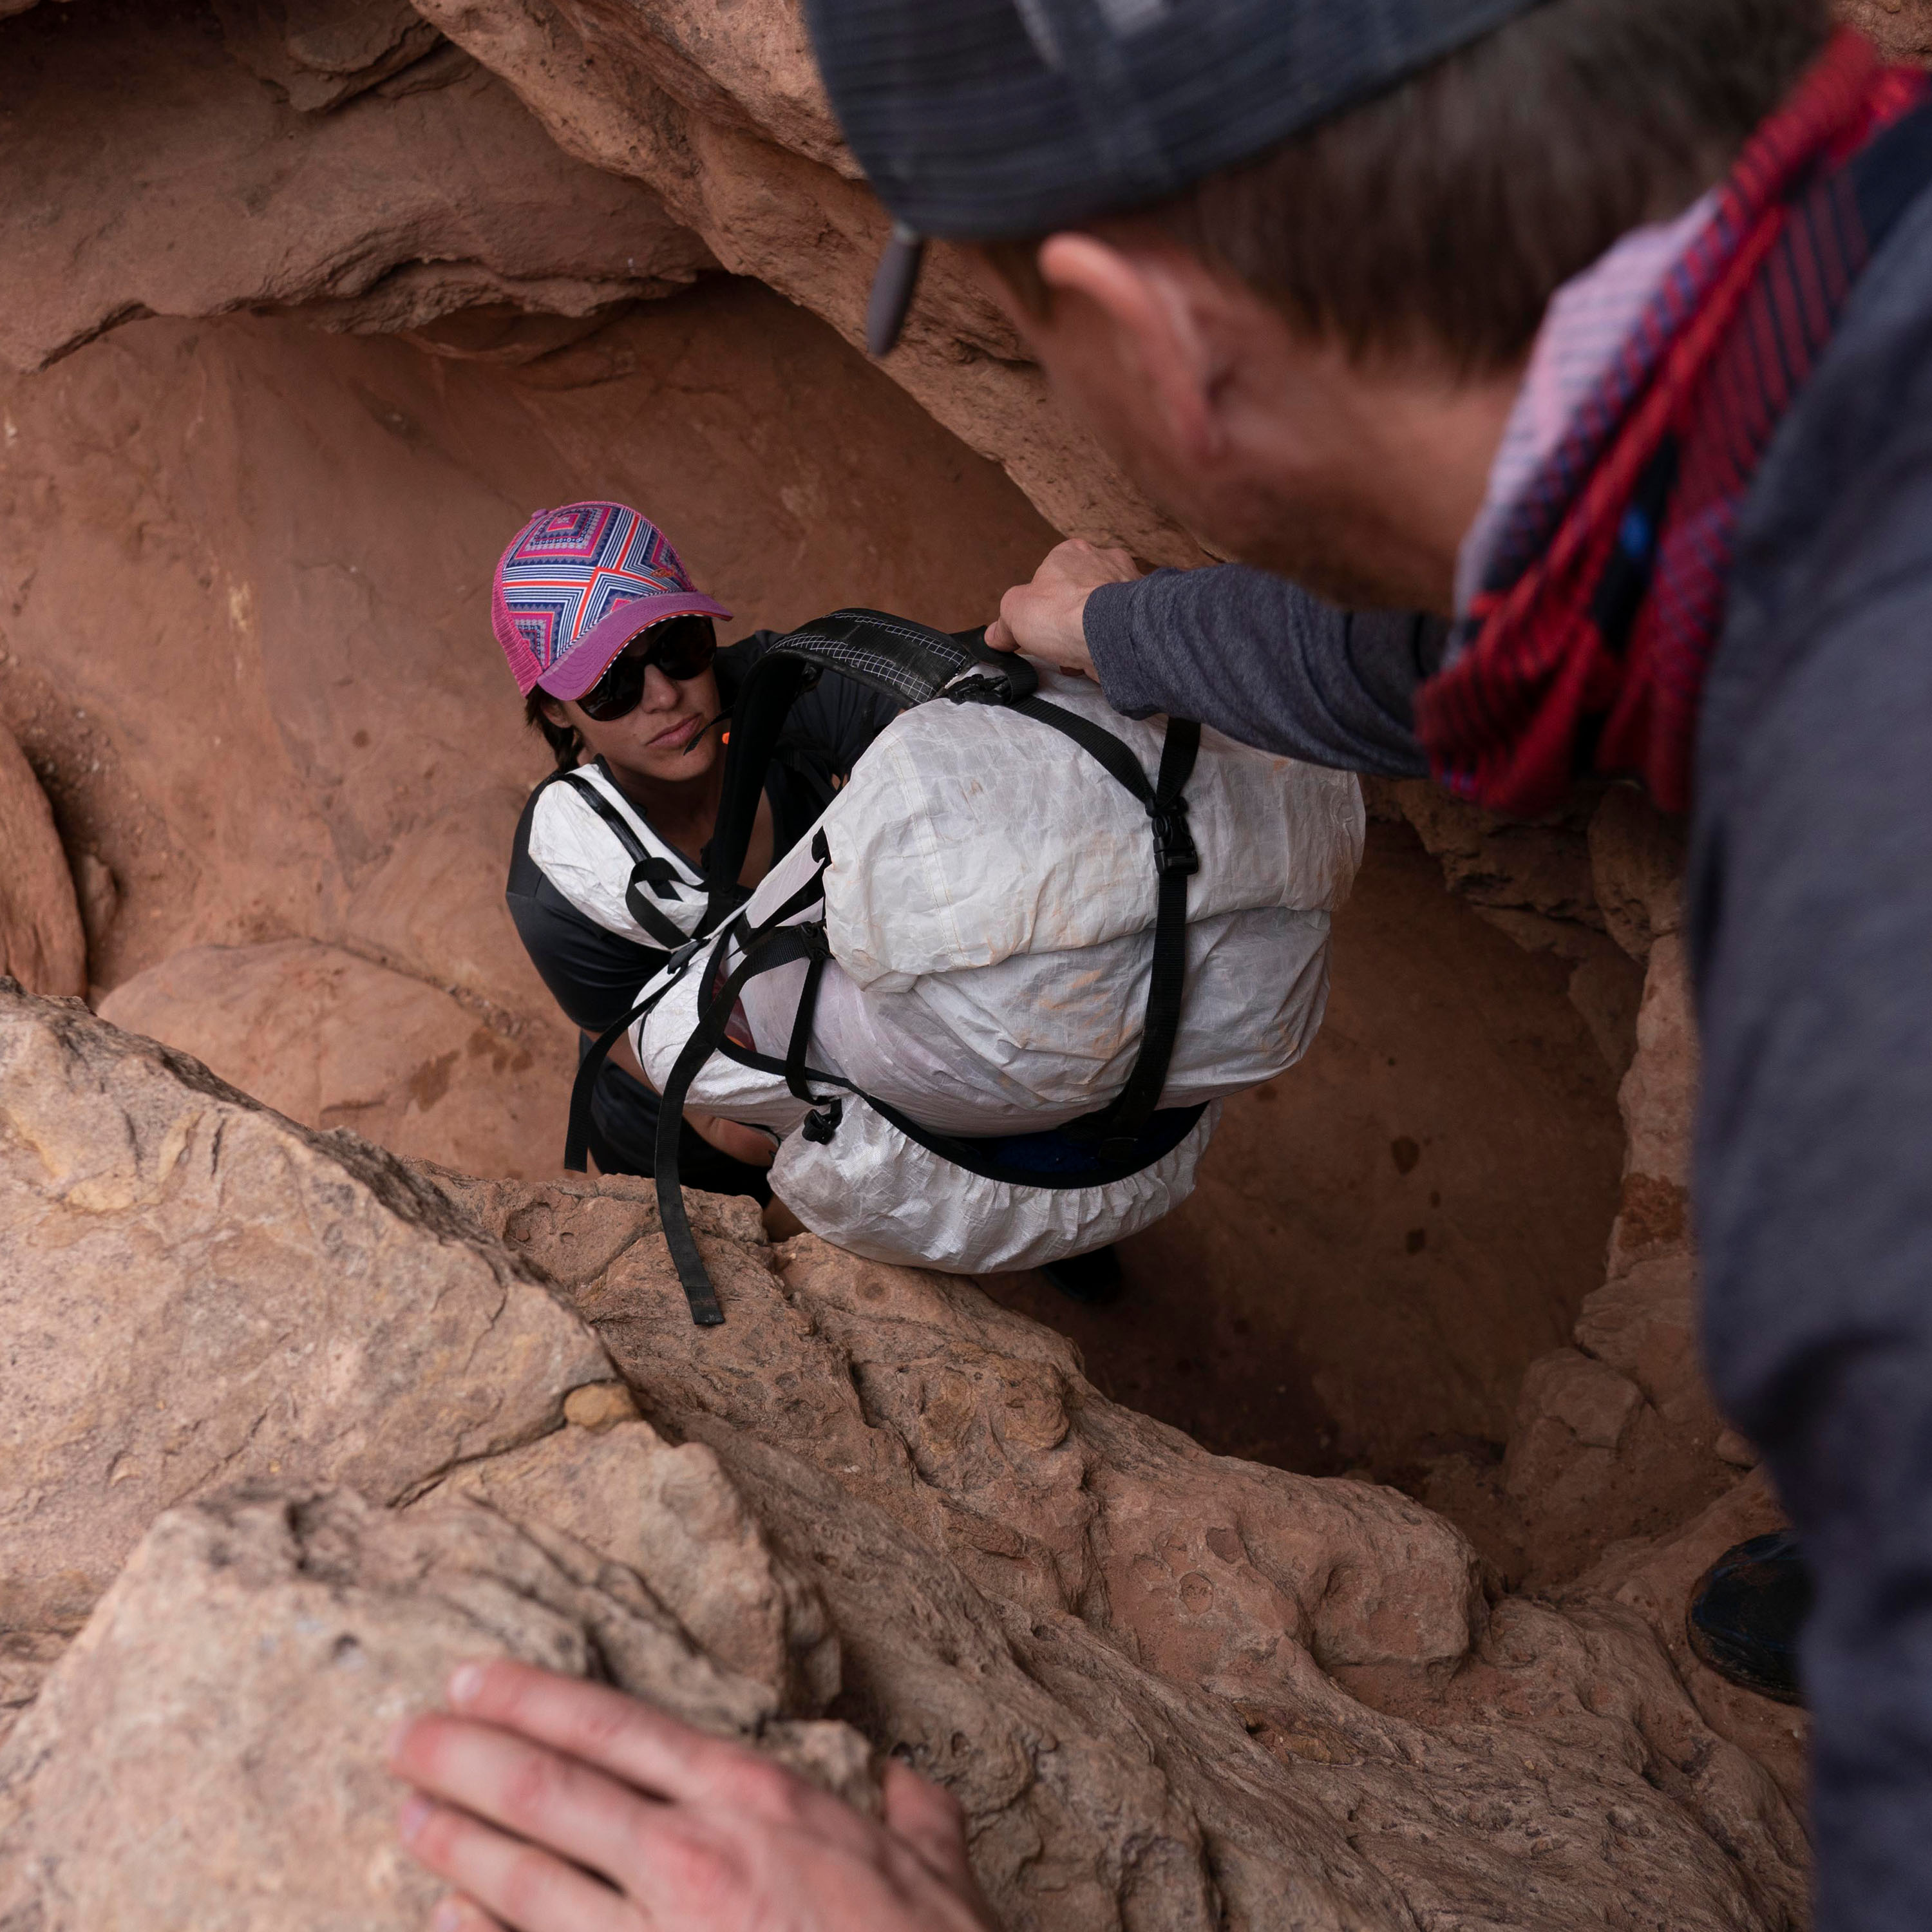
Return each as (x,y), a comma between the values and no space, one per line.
(566,746)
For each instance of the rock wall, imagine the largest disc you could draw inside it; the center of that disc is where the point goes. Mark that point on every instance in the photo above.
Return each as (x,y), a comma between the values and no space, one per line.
(371,284)
(873,1511)
(289,762)
(245,635)
(373,175)
(42,944)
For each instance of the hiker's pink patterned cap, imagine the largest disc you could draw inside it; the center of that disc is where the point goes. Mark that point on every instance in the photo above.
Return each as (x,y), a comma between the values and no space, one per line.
(577,585)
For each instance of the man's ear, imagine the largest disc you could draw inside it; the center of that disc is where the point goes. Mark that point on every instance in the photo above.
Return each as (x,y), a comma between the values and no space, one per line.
(1159,305)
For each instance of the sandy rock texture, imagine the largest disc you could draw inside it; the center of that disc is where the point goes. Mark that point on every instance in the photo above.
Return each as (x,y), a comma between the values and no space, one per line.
(242,1674)
(326,1036)
(370,174)
(1902,29)
(290,723)
(42,943)
(337,157)
(1171,1690)
(724,114)
(196,1292)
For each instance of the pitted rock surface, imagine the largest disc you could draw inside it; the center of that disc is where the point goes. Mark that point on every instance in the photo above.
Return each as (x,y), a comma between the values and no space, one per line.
(1298,1657)
(241,1678)
(1173,1691)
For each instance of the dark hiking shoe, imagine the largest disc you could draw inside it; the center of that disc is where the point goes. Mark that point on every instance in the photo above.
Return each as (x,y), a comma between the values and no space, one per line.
(1747,1611)
(1093,1279)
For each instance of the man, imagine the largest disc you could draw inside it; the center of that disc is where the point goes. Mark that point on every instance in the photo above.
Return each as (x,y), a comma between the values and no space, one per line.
(1295,260)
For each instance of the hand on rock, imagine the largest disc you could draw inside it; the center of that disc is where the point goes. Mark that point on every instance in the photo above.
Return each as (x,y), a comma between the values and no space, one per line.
(1046,618)
(554,1805)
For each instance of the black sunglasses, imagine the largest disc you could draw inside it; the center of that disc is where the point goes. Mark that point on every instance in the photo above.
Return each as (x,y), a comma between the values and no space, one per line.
(681,647)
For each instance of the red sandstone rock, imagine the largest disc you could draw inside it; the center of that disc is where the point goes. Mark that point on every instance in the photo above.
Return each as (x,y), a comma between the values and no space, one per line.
(320,53)
(725,116)
(1170,1689)
(1322,1616)
(41,942)
(194,1292)
(671,1515)
(1902,28)
(241,1678)
(406,193)
(1656,1575)
(208,189)
(334,1041)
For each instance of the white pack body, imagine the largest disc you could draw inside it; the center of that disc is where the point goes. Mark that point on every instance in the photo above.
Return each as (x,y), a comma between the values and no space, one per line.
(988,906)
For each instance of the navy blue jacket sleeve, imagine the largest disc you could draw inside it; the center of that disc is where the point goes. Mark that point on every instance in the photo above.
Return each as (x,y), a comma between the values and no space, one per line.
(1810,920)
(1265,662)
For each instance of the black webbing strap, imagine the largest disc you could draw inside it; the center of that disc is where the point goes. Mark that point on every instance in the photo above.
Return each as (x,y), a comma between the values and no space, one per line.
(904,662)
(1119,1125)
(581,1138)
(795,1072)
(647,868)
(758,714)
(992,1156)
(770,944)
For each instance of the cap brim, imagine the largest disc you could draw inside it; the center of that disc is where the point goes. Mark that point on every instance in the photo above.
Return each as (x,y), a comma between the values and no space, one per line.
(892,289)
(590,657)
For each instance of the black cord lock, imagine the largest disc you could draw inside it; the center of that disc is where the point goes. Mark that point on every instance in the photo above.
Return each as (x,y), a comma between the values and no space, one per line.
(820,1127)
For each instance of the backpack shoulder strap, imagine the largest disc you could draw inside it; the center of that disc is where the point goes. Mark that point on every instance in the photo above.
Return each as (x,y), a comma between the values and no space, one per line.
(907,662)
(647,868)
(1119,1125)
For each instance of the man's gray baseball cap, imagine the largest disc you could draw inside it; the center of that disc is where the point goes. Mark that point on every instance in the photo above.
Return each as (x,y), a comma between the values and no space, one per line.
(975,119)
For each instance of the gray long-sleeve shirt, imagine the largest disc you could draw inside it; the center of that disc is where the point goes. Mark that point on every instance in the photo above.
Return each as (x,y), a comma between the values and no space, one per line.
(1810,933)
(1260,659)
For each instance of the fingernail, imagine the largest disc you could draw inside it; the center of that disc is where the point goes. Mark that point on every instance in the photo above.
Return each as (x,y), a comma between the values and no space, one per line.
(414,1815)
(449,1916)
(392,1745)
(465,1680)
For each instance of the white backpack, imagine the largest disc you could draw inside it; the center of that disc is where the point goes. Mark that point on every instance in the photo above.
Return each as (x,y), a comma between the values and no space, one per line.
(991,1002)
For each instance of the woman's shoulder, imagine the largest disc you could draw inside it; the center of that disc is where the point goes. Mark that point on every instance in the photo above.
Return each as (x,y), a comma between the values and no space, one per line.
(835,720)
(581,838)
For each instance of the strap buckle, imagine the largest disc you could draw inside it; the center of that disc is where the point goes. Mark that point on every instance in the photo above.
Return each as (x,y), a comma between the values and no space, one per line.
(1174,847)
(994,683)
(677,964)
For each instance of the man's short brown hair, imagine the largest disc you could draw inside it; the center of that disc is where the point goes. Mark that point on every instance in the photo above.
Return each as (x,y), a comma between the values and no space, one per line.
(1440,217)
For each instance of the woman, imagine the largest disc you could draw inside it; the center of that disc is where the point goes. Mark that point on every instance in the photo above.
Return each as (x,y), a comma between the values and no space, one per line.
(614,651)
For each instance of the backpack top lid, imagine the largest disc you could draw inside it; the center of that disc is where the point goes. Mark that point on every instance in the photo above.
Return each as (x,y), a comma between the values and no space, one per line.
(967,834)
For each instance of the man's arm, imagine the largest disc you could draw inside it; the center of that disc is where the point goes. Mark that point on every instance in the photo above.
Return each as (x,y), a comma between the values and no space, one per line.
(1248,652)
